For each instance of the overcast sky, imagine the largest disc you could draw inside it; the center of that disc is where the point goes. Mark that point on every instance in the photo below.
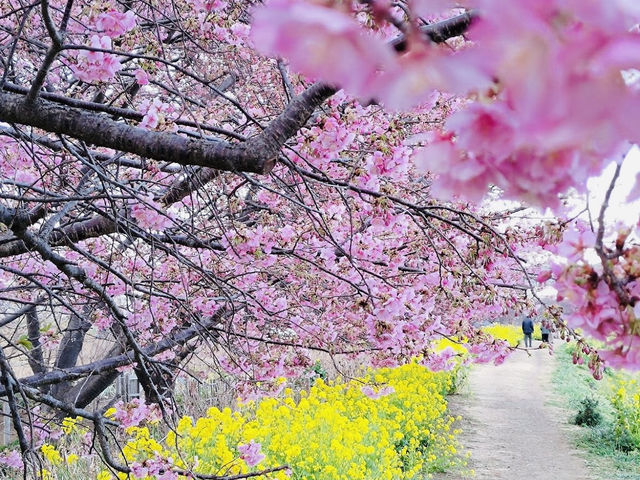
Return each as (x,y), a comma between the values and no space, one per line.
(619,209)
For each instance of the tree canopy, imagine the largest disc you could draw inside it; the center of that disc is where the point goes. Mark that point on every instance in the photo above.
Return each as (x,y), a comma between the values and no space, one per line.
(253,184)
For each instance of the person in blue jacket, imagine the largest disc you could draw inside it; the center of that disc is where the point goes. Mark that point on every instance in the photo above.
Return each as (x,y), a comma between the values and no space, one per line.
(527,329)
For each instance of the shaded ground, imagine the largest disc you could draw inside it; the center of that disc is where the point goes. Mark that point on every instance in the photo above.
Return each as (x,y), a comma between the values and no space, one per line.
(511,428)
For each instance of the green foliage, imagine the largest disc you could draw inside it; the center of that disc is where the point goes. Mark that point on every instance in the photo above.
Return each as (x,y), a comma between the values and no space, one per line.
(25,342)
(457,378)
(612,452)
(588,413)
(626,404)
(319,371)
(12,445)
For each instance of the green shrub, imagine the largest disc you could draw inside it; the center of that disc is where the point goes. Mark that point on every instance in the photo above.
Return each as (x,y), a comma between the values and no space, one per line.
(588,413)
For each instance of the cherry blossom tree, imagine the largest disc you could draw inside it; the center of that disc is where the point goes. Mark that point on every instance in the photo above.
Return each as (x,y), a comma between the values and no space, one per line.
(247,184)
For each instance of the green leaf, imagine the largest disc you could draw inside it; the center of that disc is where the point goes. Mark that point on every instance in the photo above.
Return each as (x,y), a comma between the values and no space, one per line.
(25,342)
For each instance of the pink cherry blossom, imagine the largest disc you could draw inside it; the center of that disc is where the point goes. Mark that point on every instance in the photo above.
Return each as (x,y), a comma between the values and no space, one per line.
(411,78)
(12,459)
(495,352)
(432,7)
(155,113)
(210,5)
(320,42)
(374,395)
(441,361)
(157,467)
(458,174)
(97,66)
(250,453)
(149,215)
(136,411)
(141,77)
(523,131)
(114,23)
(575,241)
(486,129)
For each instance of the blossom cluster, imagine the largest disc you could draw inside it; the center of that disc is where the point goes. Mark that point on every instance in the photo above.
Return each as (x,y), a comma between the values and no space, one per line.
(149,214)
(534,130)
(602,300)
(95,65)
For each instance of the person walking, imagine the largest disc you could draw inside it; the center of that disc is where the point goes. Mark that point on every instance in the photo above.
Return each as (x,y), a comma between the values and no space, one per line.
(545,333)
(527,329)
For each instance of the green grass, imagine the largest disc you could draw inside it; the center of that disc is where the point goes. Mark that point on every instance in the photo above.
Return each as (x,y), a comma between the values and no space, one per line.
(574,383)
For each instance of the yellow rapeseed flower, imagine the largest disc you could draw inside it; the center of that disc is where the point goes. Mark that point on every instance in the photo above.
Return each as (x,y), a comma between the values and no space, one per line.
(51,454)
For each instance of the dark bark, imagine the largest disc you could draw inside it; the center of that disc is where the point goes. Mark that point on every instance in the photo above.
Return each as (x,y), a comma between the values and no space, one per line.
(192,181)
(72,342)
(70,348)
(11,317)
(256,155)
(110,364)
(153,392)
(91,389)
(8,382)
(94,227)
(87,390)
(101,130)
(441,31)
(159,386)
(36,361)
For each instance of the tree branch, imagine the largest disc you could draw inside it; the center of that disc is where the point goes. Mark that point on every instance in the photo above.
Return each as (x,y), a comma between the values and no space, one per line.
(256,155)
(127,358)
(440,32)
(36,360)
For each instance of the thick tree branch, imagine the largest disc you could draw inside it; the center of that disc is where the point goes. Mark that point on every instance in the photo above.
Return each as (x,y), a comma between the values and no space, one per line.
(7,379)
(109,364)
(52,53)
(36,360)
(256,155)
(10,317)
(84,392)
(94,227)
(102,131)
(274,136)
(116,112)
(70,347)
(440,32)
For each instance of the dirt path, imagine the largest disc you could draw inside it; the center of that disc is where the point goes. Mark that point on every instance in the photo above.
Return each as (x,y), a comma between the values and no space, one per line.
(509,425)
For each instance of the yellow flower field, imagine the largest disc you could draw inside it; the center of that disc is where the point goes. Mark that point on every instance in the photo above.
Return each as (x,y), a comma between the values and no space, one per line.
(392,424)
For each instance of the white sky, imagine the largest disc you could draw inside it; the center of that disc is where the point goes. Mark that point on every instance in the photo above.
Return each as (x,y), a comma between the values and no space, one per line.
(619,210)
